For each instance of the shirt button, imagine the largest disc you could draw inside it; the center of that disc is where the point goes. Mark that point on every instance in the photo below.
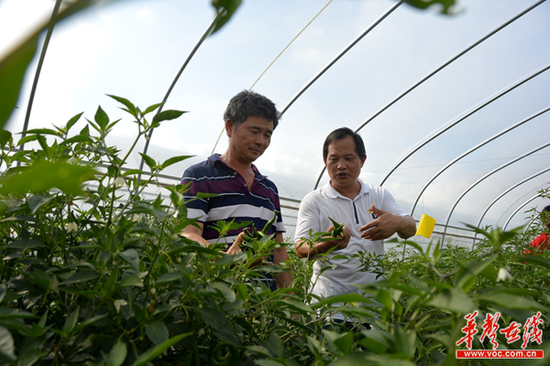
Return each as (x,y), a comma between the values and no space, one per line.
(245,184)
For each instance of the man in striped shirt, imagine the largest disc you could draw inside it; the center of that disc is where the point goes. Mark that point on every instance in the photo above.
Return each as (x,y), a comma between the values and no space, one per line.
(241,192)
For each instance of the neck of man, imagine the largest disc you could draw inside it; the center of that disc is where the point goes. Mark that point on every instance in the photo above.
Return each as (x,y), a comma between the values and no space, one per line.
(244,168)
(350,192)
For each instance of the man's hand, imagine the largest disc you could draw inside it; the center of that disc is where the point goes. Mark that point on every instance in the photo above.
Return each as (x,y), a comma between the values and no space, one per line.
(385,225)
(235,248)
(194,233)
(342,240)
(303,250)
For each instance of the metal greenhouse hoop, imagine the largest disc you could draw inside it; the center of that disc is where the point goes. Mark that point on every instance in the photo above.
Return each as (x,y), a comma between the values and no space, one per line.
(503,194)
(473,185)
(443,66)
(500,134)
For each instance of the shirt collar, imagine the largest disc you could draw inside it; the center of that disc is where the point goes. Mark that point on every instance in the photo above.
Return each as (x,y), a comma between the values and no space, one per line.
(216,159)
(333,193)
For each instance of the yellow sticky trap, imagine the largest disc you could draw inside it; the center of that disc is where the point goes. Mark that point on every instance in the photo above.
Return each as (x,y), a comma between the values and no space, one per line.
(425,226)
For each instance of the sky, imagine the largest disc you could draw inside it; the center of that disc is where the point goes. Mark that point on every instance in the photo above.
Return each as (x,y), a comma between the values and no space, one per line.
(134,49)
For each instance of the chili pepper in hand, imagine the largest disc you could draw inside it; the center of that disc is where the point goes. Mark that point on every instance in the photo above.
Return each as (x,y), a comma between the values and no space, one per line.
(269,223)
(337,230)
(338,235)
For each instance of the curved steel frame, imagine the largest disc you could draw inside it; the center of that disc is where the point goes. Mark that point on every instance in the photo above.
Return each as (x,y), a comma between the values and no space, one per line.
(451,125)
(49,33)
(503,194)
(182,68)
(500,134)
(331,63)
(342,53)
(531,220)
(482,179)
(444,65)
(338,57)
(518,209)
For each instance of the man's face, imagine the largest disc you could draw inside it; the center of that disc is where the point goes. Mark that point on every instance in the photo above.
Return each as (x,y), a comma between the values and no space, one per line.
(343,164)
(250,139)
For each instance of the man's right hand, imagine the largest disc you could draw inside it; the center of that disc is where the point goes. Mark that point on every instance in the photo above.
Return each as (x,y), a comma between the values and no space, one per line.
(194,233)
(303,250)
(343,240)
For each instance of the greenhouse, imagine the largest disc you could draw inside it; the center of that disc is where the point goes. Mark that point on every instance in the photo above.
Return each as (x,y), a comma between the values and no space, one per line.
(107,103)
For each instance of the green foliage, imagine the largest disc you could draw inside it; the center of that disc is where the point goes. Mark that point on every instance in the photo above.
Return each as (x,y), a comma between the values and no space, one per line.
(446,6)
(14,65)
(101,276)
(426,295)
(225,10)
(12,71)
(94,273)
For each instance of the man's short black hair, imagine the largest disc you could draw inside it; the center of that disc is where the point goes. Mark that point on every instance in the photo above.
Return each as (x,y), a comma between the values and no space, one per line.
(342,133)
(248,103)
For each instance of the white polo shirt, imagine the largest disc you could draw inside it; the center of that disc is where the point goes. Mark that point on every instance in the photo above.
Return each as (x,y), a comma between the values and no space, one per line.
(315,209)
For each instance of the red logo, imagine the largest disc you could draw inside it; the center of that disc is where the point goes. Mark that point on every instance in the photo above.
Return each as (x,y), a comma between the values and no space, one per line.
(531,333)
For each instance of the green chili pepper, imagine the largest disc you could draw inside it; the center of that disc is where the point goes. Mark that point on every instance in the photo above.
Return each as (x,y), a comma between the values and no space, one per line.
(252,235)
(337,230)
(223,354)
(270,222)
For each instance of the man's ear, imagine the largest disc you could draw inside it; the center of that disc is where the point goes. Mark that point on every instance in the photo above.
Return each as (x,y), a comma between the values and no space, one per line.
(229,127)
(363,160)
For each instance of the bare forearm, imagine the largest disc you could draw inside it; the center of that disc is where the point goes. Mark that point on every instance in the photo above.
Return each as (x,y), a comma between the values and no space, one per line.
(304,250)
(196,237)
(283,280)
(280,255)
(407,228)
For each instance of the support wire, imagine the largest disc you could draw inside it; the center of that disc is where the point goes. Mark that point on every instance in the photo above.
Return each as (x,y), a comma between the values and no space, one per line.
(272,62)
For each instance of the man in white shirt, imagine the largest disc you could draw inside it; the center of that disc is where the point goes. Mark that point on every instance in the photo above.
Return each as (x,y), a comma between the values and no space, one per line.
(369,215)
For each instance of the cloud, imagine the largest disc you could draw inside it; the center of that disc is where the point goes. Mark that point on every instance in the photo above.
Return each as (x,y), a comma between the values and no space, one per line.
(147,16)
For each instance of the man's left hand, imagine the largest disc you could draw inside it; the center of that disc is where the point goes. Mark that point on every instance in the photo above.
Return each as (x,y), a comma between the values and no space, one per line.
(382,227)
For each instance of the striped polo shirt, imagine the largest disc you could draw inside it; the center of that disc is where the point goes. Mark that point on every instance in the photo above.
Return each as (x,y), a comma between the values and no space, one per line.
(233,199)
